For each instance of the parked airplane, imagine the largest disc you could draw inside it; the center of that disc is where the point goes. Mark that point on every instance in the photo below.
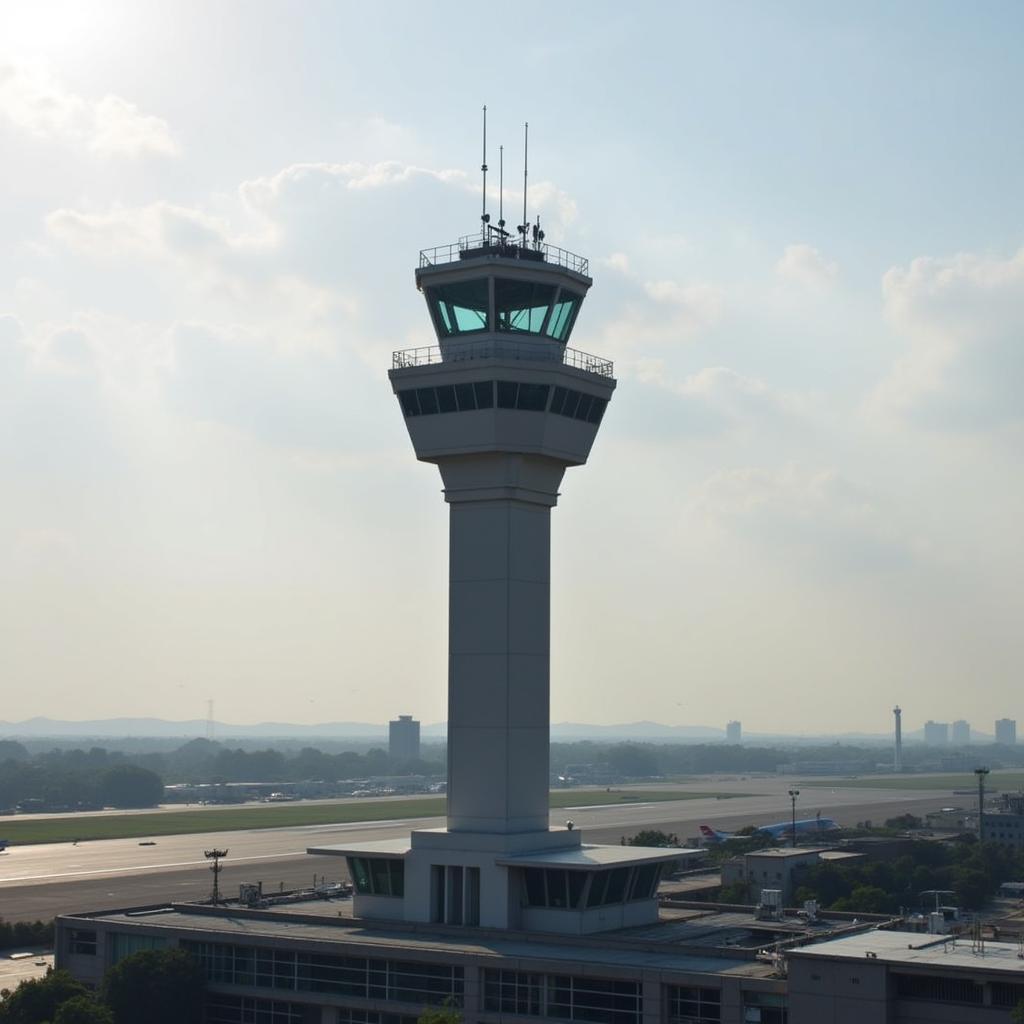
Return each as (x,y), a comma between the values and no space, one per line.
(809,826)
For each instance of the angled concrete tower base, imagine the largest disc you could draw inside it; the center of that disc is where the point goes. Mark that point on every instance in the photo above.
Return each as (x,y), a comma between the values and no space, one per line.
(503,408)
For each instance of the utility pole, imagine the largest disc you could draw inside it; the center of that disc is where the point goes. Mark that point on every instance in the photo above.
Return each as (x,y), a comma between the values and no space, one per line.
(793,794)
(981,773)
(216,856)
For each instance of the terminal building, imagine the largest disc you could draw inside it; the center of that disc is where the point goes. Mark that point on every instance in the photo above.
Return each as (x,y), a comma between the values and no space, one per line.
(498,914)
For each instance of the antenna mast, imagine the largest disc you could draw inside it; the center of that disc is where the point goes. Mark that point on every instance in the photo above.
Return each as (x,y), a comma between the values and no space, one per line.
(501,189)
(526,151)
(483,168)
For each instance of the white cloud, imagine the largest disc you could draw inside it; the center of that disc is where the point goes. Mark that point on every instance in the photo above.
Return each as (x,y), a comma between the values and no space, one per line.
(804,265)
(35,102)
(963,319)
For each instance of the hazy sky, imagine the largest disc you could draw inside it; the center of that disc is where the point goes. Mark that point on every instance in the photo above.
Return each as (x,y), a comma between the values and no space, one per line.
(805,225)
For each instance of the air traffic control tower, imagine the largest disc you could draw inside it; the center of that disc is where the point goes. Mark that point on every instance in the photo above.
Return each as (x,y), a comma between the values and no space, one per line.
(502,406)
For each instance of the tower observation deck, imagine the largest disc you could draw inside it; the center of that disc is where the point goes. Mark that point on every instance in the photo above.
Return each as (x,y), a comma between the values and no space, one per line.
(502,405)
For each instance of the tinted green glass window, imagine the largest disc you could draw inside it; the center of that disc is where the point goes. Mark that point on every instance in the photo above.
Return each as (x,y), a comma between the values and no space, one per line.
(521,305)
(462,307)
(597,887)
(617,885)
(379,876)
(557,896)
(484,391)
(360,872)
(396,869)
(563,315)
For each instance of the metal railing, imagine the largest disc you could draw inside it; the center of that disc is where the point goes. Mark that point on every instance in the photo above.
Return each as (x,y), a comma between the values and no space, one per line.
(534,352)
(492,244)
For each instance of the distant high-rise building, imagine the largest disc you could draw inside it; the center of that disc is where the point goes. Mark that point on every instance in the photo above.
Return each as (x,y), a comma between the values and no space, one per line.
(734,732)
(1006,731)
(960,735)
(936,734)
(404,739)
(897,761)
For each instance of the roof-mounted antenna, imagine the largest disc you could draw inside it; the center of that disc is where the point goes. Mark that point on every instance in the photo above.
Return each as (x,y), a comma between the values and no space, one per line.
(483,167)
(501,189)
(524,227)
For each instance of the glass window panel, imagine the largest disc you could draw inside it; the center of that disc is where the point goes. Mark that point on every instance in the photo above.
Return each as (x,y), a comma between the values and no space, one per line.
(572,401)
(428,401)
(558,399)
(533,397)
(617,885)
(462,307)
(464,397)
(410,404)
(557,888)
(360,872)
(381,878)
(596,410)
(507,391)
(583,408)
(446,398)
(577,879)
(397,871)
(563,315)
(598,883)
(484,391)
(535,887)
(521,305)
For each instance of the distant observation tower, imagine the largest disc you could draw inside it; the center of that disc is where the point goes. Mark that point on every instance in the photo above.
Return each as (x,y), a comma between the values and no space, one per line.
(897,761)
(502,406)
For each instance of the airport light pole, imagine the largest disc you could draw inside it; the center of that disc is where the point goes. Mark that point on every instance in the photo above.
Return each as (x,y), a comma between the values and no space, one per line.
(215,856)
(793,794)
(981,773)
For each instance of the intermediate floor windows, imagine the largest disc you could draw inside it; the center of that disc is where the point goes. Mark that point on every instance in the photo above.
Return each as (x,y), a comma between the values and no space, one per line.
(563,997)
(507,394)
(362,977)
(694,1005)
(244,1010)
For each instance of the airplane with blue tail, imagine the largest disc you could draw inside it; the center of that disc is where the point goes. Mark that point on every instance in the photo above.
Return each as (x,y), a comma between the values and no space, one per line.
(781,829)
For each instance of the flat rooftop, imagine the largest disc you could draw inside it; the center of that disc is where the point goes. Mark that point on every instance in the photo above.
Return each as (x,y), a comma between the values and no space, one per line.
(599,857)
(910,949)
(236,925)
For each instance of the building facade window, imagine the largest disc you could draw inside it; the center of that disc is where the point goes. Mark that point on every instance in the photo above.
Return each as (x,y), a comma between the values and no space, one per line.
(244,1010)
(351,1016)
(764,1008)
(563,997)
(377,876)
(511,394)
(694,1005)
(82,942)
(122,944)
(562,889)
(939,989)
(362,977)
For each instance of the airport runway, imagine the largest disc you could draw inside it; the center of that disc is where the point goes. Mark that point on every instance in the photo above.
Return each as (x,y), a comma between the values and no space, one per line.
(42,881)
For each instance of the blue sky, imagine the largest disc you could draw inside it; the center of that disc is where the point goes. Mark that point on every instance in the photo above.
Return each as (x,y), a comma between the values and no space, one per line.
(805,227)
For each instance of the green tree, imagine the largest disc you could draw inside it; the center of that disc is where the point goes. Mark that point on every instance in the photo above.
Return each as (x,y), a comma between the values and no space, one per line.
(36,1001)
(83,1010)
(653,837)
(157,986)
(127,785)
(865,899)
(446,1013)
(1018,1013)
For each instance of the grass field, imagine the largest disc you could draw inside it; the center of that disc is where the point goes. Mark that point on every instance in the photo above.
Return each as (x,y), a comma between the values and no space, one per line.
(232,819)
(1002,781)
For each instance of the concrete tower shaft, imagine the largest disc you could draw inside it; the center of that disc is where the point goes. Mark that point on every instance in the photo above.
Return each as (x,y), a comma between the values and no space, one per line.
(898,753)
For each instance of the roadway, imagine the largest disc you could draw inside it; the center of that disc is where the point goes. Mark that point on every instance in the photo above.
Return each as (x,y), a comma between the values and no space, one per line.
(38,882)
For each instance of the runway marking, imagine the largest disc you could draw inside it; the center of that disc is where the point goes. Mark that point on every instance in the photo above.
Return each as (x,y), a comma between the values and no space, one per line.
(146,867)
